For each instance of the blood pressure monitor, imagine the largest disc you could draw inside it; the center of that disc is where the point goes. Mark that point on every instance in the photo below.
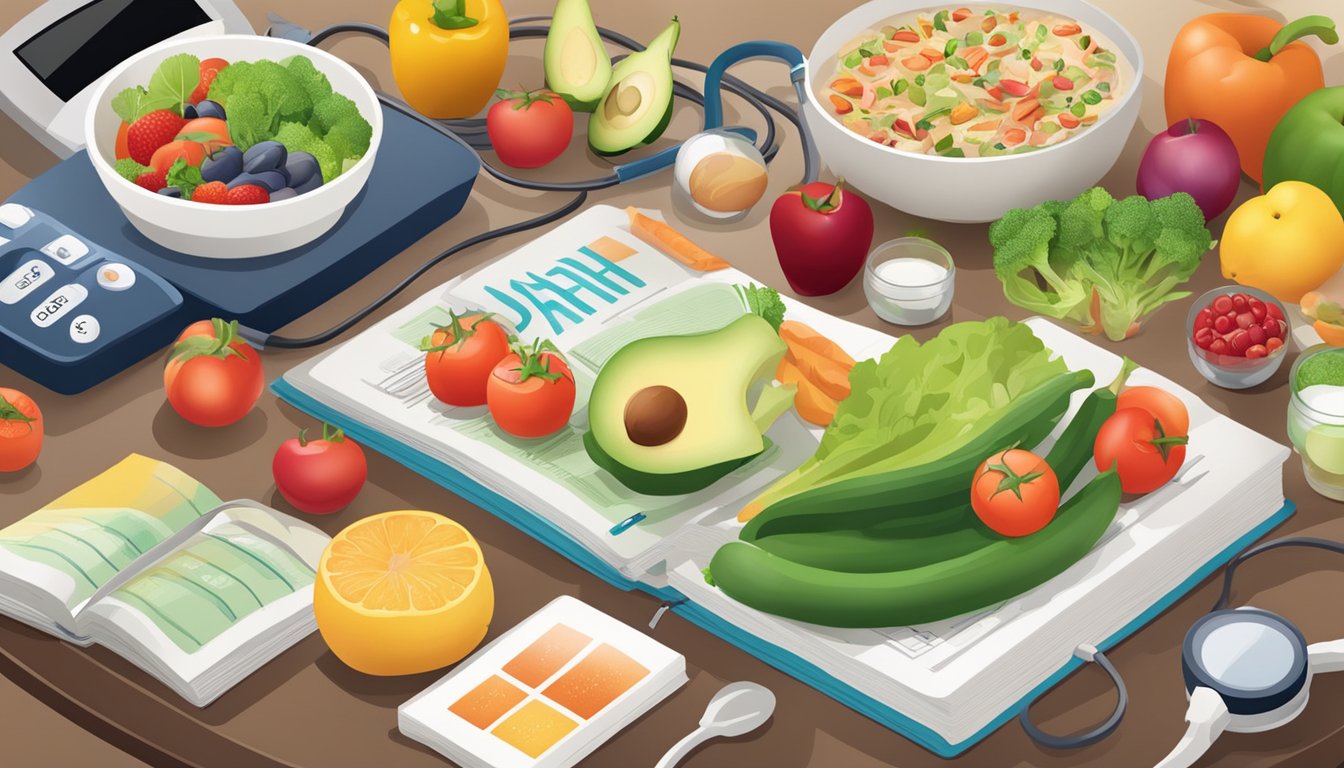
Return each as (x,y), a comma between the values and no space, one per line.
(51,59)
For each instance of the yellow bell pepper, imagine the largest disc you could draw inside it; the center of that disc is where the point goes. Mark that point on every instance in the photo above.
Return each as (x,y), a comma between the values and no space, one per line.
(448,55)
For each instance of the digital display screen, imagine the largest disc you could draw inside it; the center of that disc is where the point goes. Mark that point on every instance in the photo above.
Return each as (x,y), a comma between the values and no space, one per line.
(87,43)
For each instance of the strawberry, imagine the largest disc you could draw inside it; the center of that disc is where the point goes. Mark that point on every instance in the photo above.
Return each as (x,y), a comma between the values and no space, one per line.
(248,194)
(151,132)
(153,180)
(211,192)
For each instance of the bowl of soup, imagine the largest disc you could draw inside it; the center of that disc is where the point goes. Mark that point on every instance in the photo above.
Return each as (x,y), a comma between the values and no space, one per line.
(961,112)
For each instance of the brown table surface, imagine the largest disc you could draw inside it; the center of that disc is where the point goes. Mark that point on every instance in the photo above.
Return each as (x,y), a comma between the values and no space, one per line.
(307,709)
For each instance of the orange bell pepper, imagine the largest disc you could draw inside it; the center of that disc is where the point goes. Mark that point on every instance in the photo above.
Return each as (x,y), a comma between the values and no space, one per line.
(1243,73)
(448,55)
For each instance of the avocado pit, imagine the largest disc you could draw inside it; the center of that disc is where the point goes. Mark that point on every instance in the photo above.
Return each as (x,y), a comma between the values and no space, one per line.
(655,416)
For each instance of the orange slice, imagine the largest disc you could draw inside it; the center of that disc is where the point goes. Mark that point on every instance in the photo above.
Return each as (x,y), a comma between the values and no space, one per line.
(403,592)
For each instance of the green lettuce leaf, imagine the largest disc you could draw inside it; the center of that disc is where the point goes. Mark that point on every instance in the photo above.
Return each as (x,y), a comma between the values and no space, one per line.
(920,402)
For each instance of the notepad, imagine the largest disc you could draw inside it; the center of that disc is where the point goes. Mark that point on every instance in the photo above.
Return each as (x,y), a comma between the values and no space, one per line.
(546,693)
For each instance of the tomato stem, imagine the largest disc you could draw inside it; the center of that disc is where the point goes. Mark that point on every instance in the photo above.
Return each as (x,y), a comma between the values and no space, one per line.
(1012,481)
(11,412)
(457,332)
(1163,443)
(221,346)
(533,365)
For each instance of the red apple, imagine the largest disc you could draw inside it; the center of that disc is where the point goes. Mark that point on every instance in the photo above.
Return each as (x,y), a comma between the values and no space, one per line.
(822,233)
(1196,157)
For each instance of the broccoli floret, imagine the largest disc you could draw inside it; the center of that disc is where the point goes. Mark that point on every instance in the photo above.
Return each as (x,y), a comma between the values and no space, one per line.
(278,95)
(249,121)
(1322,368)
(298,137)
(129,170)
(337,120)
(313,82)
(226,82)
(1103,263)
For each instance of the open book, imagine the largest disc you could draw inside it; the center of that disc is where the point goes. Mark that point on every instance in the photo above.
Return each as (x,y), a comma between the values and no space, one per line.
(945,685)
(149,563)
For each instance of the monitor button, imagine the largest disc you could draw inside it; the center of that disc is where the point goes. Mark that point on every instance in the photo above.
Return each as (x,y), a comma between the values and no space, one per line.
(115,277)
(25,280)
(59,304)
(14,216)
(66,249)
(84,329)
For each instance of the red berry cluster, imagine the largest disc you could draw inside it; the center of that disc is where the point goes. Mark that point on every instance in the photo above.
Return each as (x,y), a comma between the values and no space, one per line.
(1239,325)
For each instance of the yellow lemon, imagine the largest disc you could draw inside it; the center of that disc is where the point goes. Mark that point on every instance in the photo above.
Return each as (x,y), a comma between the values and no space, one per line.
(1285,242)
(403,592)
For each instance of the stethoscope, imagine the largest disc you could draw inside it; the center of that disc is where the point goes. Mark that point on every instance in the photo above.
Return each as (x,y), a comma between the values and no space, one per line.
(1246,670)
(471,134)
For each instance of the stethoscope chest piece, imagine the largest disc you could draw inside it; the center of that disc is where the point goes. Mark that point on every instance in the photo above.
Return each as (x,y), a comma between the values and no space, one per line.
(1256,661)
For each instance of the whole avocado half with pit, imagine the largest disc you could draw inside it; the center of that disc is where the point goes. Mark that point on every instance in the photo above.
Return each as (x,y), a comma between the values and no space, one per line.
(668,415)
(576,62)
(636,106)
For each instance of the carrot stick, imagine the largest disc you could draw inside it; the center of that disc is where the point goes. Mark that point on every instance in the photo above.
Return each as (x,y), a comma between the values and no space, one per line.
(799,334)
(667,239)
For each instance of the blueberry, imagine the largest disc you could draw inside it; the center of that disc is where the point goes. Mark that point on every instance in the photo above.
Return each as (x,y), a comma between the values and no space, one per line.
(265,156)
(272,181)
(189,112)
(302,167)
(283,194)
(312,183)
(223,165)
(171,192)
(208,108)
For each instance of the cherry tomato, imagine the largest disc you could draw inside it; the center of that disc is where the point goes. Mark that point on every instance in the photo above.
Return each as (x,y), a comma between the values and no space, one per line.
(1164,406)
(319,476)
(529,129)
(20,430)
(213,378)
(531,392)
(1015,493)
(1146,456)
(460,356)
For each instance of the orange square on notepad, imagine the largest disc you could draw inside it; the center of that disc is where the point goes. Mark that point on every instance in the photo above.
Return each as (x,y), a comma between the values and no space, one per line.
(596,681)
(534,729)
(546,655)
(611,249)
(488,701)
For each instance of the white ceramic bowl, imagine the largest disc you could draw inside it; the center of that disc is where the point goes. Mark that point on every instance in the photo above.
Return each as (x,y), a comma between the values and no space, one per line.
(222,231)
(978,188)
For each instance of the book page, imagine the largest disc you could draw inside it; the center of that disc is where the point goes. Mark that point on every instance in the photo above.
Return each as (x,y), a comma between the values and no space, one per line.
(221,587)
(73,546)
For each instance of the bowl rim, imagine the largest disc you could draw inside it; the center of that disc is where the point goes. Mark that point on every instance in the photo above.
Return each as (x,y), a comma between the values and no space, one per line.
(100,99)
(1204,299)
(872,8)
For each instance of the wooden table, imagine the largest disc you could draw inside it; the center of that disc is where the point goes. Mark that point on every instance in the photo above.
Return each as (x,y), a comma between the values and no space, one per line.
(307,709)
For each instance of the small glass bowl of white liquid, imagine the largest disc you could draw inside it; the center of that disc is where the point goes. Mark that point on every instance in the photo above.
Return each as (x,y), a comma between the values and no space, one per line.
(909,281)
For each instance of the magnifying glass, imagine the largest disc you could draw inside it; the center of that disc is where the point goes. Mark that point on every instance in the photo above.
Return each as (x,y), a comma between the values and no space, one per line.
(1247,670)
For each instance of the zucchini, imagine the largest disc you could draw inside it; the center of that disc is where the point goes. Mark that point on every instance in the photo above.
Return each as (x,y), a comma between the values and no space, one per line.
(940,484)
(1073,451)
(864,551)
(984,577)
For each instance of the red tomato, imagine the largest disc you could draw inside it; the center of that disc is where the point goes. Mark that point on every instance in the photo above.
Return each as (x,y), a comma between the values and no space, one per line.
(165,156)
(531,392)
(529,130)
(822,234)
(320,476)
(1164,406)
(1015,493)
(460,356)
(213,378)
(210,132)
(20,430)
(1146,455)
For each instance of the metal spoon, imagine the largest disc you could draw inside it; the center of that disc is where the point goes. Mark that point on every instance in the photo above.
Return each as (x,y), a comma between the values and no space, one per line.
(737,709)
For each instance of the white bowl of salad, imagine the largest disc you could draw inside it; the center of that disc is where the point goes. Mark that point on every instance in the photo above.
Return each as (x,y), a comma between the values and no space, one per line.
(233,146)
(961,112)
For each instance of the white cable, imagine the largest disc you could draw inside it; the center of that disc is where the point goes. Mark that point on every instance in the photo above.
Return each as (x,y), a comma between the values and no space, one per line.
(1326,657)
(1208,718)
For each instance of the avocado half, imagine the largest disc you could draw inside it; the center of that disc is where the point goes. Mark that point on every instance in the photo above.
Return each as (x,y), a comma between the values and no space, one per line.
(636,106)
(576,62)
(698,426)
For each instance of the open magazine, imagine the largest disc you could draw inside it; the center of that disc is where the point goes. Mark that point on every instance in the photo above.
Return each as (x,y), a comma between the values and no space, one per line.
(149,563)
(591,287)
